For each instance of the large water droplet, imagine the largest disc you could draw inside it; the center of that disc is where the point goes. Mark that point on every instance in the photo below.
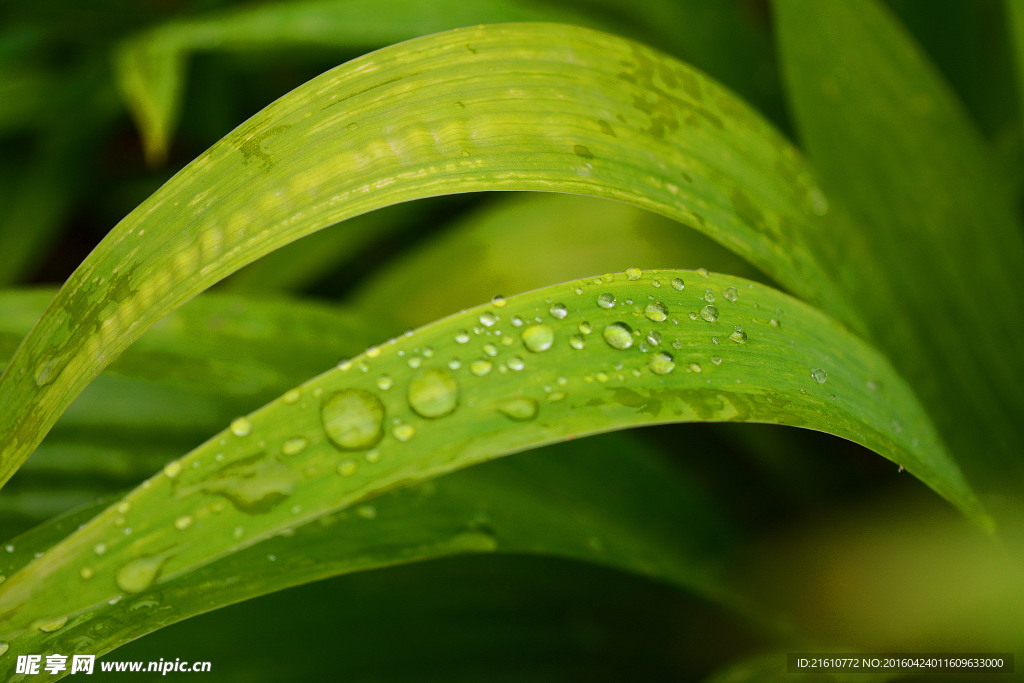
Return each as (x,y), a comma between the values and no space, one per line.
(709,313)
(538,338)
(662,363)
(520,409)
(488,319)
(480,367)
(618,335)
(434,393)
(50,625)
(606,300)
(139,574)
(558,311)
(819,375)
(353,419)
(678,283)
(241,426)
(656,311)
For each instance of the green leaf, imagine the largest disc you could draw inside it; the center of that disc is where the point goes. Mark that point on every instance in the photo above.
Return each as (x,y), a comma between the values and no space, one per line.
(510,107)
(937,284)
(150,66)
(521,242)
(484,383)
(1015,14)
(569,501)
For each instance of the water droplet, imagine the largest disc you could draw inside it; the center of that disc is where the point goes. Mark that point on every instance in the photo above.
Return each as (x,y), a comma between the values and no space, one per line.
(730,293)
(50,625)
(538,338)
(367,511)
(662,363)
(703,272)
(139,574)
(618,336)
(819,203)
(172,469)
(352,126)
(294,446)
(606,300)
(717,360)
(433,393)
(517,321)
(238,532)
(656,311)
(488,319)
(414,362)
(183,522)
(86,573)
(558,311)
(498,301)
(872,385)
(694,367)
(738,335)
(353,419)
(516,363)
(4,647)
(577,341)
(384,382)
(44,373)
(633,273)
(709,296)
(241,426)
(654,338)
(461,337)
(819,375)
(480,367)
(347,468)
(372,456)
(373,352)
(678,283)
(773,322)
(99,548)
(403,432)
(520,409)
(455,364)
(709,313)
(585,327)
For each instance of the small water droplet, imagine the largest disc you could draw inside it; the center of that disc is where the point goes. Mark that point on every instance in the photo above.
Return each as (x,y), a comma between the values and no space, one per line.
(373,352)
(461,337)
(656,311)
(238,532)
(44,373)
(183,522)
(819,375)
(352,126)
(633,273)
(367,511)
(773,322)
(516,363)
(4,647)
(241,426)
(139,574)
(172,469)
(730,293)
(738,335)
(498,301)
(872,385)
(717,360)
(558,311)
(703,272)
(678,283)
(520,409)
(455,364)
(372,456)
(606,300)
(291,396)
(403,432)
(538,338)
(577,341)
(709,313)
(662,363)
(585,327)
(384,382)
(353,419)
(294,446)
(86,573)
(50,625)
(709,296)
(347,468)
(480,367)
(488,319)
(433,393)
(618,335)
(517,321)
(99,548)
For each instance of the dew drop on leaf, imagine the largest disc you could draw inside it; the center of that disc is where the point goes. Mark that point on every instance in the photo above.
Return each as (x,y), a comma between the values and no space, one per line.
(577,342)
(538,338)
(709,313)
(50,625)
(353,419)
(633,273)
(139,574)
(516,363)
(656,311)
(819,375)
(403,432)
(241,426)
(294,446)
(618,336)
(347,467)
(480,367)
(606,300)
(738,335)
(694,367)
(558,311)
(678,283)
(730,293)
(183,522)
(662,363)
(172,469)
(488,319)
(433,393)
(461,337)
(520,409)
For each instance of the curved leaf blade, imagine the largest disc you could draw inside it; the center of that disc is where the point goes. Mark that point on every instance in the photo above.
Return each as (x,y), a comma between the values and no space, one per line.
(509,107)
(479,385)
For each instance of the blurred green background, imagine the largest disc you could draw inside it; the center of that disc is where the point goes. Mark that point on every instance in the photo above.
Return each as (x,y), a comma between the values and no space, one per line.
(841,548)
